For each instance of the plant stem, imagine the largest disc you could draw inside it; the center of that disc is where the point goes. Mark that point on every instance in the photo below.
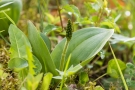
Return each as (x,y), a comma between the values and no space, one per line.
(9,18)
(62,83)
(63,78)
(4,39)
(100,77)
(102,68)
(121,74)
(58,6)
(63,55)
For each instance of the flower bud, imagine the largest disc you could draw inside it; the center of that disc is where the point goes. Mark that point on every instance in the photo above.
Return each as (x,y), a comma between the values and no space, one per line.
(69,30)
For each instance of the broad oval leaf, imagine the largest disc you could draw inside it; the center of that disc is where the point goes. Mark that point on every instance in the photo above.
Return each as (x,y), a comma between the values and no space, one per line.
(17,64)
(21,48)
(73,9)
(84,44)
(19,42)
(40,50)
(112,68)
(83,78)
(49,28)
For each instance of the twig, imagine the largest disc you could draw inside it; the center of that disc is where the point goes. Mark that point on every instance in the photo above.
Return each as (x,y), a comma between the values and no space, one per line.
(58,6)
(95,60)
(100,77)
(102,68)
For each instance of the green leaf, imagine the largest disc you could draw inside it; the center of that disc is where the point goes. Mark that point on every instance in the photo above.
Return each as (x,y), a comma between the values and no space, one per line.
(37,65)
(112,69)
(130,69)
(130,66)
(117,18)
(89,7)
(84,44)
(19,42)
(83,21)
(73,9)
(17,64)
(98,88)
(72,70)
(21,48)
(116,38)
(40,50)
(96,6)
(110,25)
(94,18)
(32,82)
(46,81)
(83,78)
(13,9)
(9,18)
(65,88)
(49,28)
(46,40)
(30,61)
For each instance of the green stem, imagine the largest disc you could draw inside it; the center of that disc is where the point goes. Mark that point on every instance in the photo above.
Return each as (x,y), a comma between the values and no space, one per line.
(121,74)
(63,56)
(62,83)
(63,78)
(100,77)
(58,6)
(4,39)
(9,18)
